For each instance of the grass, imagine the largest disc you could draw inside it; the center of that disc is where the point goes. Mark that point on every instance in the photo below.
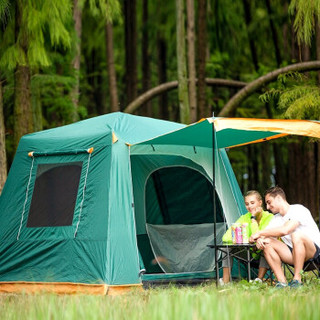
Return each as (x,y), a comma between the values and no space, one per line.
(238,301)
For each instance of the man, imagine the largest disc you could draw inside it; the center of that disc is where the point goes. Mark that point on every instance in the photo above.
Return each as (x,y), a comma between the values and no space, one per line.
(298,231)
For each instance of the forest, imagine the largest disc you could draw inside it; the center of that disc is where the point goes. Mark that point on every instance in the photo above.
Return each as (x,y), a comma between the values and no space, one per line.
(63,61)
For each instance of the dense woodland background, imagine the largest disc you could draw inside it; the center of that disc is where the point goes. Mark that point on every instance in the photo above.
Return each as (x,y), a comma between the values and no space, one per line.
(66,60)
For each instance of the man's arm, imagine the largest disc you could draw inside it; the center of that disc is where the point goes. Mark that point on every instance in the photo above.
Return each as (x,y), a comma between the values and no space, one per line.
(276,232)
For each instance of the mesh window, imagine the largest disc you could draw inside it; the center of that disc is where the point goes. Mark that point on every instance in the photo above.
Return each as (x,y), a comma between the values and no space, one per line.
(180,195)
(54,195)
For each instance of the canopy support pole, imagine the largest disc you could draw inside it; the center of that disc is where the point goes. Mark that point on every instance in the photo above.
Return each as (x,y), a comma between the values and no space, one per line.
(214,203)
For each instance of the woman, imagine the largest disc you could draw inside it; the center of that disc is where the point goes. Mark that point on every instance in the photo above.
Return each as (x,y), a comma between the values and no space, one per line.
(257,219)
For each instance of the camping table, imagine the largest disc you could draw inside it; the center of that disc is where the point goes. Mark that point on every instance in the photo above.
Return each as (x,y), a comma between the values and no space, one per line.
(235,249)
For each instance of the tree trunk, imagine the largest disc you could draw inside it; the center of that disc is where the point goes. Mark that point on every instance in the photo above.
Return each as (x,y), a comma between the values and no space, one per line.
(293,186)
(264,150)
(248,19)
(23,117)
(280,176)
(202,51)
(112,77)
(305,53)
(162,75)
(182,67)
(286,34)
(253,167)
(191,61)
(274,34)
(22,114)
(3,156)
(77,18)
(37,108)
(145,56)
(130,49)
(241,95)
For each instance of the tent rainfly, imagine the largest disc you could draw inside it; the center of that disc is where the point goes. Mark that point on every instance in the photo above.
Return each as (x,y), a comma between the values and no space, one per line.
(101,205)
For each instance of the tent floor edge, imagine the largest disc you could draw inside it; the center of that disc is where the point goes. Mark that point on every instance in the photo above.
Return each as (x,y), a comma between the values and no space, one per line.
(17,287)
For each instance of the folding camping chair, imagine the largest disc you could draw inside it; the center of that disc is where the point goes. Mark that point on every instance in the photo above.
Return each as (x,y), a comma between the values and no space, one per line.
(310,265)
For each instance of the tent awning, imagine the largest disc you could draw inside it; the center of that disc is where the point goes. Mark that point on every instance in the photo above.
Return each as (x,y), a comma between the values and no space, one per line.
(231,132)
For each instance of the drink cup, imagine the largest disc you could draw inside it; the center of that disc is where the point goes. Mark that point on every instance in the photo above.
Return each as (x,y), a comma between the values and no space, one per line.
(238,234)
(245,233)
(233,233)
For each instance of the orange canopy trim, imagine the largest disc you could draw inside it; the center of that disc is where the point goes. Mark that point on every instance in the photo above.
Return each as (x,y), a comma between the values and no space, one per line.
(260,140)
(297,127)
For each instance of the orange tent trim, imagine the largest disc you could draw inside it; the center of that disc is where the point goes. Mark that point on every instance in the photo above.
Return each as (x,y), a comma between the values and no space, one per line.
(66,288)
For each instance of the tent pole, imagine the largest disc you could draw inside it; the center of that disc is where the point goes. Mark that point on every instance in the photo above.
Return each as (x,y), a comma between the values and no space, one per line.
(214,203)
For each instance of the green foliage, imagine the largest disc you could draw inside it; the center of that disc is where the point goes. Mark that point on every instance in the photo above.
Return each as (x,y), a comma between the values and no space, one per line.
(307,13)
(297,96)
(56,101)
(109,10)
(42,23)
(4,10)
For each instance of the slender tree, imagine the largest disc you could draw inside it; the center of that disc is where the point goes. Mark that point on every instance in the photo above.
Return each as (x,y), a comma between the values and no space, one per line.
(191,61)
(77,18)
(112,76)
(162,76)
(202,52)
(145,63)
(248,19)
(274,33)
(130,49)
(182,66)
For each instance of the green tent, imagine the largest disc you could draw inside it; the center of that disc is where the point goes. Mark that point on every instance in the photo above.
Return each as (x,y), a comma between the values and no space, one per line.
(102,205)
(93,207)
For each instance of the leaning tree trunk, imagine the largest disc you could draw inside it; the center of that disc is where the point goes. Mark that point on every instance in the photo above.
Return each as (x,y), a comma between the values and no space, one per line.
(3,156)
(191,61)
(182,67)
(77,17)
(164,87)
(202,51)
(112,77)
(253,86)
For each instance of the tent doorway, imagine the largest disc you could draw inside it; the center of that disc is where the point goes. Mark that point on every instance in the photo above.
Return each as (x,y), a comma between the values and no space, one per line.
(179,220)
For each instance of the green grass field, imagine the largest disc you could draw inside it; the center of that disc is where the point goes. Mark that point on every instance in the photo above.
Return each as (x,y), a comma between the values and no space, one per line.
(238,301)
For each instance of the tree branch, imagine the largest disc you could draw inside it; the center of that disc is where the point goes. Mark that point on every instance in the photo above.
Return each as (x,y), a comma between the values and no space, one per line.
(164,87)
(253,86)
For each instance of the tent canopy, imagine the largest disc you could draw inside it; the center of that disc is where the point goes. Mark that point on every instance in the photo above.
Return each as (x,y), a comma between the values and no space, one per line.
(236,132)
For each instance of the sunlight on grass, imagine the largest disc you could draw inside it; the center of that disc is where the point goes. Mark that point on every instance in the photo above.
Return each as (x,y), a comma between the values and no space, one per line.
(237,301)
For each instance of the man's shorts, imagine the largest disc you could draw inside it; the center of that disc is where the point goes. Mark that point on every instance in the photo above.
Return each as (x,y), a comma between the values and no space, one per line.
(316,257)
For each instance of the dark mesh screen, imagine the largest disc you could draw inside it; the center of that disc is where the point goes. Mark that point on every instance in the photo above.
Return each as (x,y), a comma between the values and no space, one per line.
(54,195)
(184,196)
